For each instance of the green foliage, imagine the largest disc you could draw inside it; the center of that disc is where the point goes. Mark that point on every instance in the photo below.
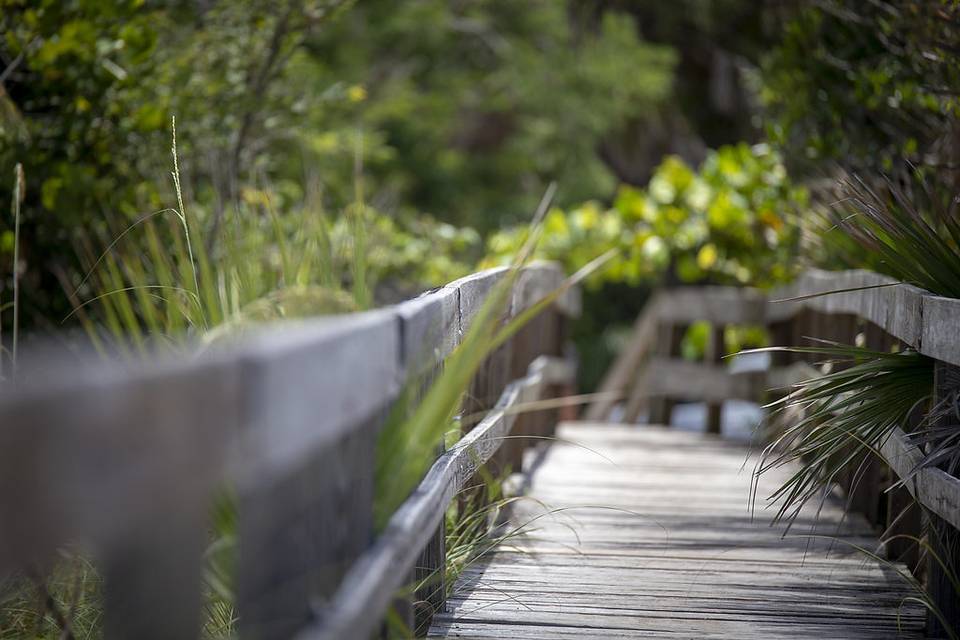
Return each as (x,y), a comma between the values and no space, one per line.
(912,234)
(733,221)
(865,84)
(848,413)
(35,607)
(476,106)
(463,110)
(158,284)
(168,286)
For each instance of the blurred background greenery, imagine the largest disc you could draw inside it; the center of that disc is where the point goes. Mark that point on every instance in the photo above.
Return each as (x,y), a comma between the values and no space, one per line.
(403,144)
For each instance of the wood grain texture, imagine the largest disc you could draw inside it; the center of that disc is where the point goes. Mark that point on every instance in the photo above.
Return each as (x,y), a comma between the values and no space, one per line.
(644,532)
(287,414)
(308,384)
(429,328)
(121,462)
(933,488)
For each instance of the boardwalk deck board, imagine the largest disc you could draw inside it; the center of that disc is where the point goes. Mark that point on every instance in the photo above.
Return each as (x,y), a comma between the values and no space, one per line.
(650,535)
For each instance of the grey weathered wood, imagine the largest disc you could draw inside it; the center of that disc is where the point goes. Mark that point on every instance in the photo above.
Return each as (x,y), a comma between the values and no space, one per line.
(916,318)
(288,414)
(638,397)
(935,489)
(667,353)
(719,305)
(473,291)
(430,571)
(298,397)
(904,529)
(943,535)
(700,566)
(896,308)
(430,328)
(371,582)
(686,380)
(912,315)
(940,338)
(306,461)
(714,356)
(546,277)
(123,462)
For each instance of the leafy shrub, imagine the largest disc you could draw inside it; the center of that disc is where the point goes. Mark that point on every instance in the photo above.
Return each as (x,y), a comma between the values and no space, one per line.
(864,84)
(735,221)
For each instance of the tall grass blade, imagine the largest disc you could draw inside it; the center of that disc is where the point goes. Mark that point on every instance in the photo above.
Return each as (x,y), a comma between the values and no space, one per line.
(19,192)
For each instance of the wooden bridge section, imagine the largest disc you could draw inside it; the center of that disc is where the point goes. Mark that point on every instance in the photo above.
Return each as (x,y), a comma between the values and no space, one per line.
(629,531)
(646,532)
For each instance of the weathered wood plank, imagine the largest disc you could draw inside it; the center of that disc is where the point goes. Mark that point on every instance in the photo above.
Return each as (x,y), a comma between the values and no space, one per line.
(430,328)
(943,535)
(718,305)
(894,307)
(714,356)
(940,336)
(124,463)
(297,395)
(706,382)
(599,562)
(933,488)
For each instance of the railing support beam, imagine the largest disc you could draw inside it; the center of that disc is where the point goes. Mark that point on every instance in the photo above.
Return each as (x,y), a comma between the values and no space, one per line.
(943,558)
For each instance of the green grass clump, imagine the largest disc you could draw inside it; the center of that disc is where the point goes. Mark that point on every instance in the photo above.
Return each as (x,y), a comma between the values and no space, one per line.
(907,232)
(846,416)
(157,285)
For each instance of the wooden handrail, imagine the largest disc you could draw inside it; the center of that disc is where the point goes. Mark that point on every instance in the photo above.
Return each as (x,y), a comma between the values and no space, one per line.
(125,460)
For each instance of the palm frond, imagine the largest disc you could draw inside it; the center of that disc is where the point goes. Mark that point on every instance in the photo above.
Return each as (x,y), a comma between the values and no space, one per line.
(846,416)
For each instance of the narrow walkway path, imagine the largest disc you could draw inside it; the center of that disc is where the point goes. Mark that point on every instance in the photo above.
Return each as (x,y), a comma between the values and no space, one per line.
(651,537)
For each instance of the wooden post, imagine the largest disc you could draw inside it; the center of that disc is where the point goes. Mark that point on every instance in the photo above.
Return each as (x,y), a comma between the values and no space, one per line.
(152,583)
(944,540)
(782,334)
(865,488)
(306,503)
(431,598)
(557,338)
(865,479)
(714,356)
(903,523)
(669,336)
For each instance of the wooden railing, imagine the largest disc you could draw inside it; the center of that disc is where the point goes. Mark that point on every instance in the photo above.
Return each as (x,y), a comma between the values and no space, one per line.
(125,462)
(651,374)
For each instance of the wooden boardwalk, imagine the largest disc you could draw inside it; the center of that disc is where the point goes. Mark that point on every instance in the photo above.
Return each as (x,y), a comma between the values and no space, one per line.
(649,535)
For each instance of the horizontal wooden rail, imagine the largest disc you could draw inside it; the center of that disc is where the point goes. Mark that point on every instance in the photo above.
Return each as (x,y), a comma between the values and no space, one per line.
(703,382)
(935,489)
(928,323)
(124,460)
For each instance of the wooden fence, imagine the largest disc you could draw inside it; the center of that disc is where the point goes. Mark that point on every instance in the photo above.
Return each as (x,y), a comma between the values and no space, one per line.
(651,374)
(126,461)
